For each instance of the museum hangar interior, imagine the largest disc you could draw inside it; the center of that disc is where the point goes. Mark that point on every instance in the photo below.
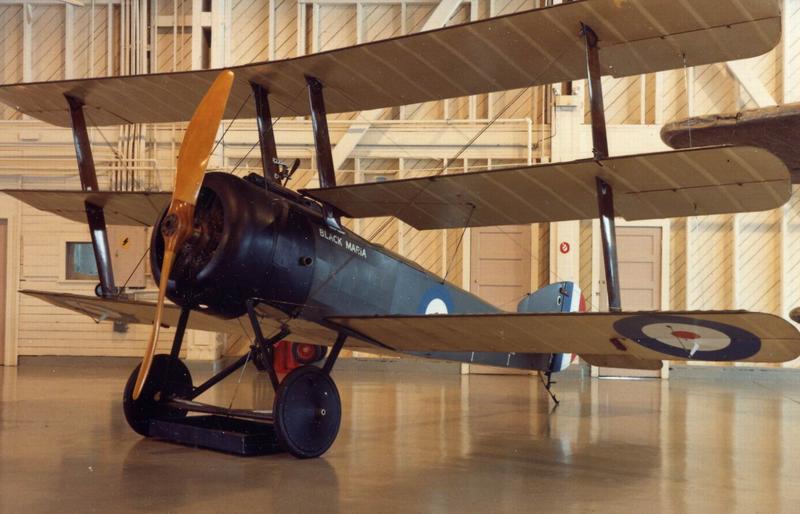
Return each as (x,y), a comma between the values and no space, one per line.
(419,413)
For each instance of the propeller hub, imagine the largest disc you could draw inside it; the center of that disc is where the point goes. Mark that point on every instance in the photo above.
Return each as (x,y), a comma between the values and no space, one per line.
(170,225)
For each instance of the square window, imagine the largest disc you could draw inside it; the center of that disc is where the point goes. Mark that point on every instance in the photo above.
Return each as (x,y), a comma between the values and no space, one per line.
(80,262)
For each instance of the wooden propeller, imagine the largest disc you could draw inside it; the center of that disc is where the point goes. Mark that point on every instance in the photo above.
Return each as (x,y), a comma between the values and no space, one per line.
(178,223)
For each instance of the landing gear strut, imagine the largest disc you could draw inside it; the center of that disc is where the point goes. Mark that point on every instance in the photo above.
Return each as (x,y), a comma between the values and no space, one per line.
(306,415)
(307,410)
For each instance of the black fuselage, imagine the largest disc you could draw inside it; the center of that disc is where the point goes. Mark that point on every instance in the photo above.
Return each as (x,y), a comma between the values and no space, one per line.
(273,245)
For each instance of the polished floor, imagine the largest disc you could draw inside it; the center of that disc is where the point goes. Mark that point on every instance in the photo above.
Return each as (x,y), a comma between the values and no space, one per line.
(706,441)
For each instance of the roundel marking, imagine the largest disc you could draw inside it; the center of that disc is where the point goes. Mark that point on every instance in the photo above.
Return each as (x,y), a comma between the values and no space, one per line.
(436,300)
(689,338)
(436,306)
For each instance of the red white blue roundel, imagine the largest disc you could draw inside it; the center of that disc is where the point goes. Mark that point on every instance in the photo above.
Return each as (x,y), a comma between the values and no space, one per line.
(689,338)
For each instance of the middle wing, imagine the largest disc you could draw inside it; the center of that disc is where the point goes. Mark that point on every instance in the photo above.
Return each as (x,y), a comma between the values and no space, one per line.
(119,207)
(660,185)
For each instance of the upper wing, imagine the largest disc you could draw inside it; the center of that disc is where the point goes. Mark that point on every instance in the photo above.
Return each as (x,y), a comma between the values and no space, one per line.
(699,336)
(138,312)
(529,48)
(773,128)
(120,207)
(661,185)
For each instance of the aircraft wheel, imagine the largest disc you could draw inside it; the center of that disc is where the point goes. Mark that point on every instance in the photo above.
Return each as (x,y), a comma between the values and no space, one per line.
(139,412)
(308,353)
(308,412)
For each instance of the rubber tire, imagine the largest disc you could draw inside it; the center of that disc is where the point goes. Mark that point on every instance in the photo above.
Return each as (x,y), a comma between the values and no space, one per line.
(138,413)
(301,430)
(319,353)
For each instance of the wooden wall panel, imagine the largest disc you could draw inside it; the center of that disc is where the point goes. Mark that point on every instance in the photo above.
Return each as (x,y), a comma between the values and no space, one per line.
(382,21)
(48,42)
(676,102)
(249,31)
(791,58)
(286,29)
(174,44)
(10,52)
(100,66)
(622,99)
(769,70)
(791,258)
(714,90)
(710,277)
(758,262)
(677,264)
(90,42)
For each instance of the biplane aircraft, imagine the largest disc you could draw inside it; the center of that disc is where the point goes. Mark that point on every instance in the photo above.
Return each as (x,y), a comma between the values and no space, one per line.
(229,251)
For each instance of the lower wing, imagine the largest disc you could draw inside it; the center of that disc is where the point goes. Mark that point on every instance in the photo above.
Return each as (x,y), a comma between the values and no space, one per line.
(631,340)
(140,312)
(624,339)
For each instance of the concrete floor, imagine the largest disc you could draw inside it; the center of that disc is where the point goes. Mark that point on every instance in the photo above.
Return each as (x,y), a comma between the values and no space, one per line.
(706,441)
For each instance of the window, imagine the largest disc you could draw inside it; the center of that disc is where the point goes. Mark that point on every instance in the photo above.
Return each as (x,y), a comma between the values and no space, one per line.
(80,262)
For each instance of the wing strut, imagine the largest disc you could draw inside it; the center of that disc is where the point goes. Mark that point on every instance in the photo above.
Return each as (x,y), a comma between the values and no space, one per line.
(94,213)
(605,193)
(322,142)
(266,135)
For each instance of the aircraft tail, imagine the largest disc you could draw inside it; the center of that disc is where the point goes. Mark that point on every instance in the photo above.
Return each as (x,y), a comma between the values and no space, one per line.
(558,297)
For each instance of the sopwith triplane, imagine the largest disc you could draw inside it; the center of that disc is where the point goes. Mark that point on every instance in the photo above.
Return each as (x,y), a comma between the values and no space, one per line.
(233,252)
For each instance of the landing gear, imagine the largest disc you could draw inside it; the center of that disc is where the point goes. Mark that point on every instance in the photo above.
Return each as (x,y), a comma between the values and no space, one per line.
(308,353)
(548,385)
(169,377)
(307,412)
(306,415)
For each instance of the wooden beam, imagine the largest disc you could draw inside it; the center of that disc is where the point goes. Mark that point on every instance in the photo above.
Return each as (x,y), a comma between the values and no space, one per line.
(744,72)
(791,46)
(197,35)
(27,43)
(441,15)
(69,41)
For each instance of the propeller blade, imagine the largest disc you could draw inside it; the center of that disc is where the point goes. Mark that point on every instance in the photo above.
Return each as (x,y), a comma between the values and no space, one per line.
(177,224)
(199,139)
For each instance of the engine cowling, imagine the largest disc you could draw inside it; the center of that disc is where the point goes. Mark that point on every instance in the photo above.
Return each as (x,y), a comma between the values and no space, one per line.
(230,257)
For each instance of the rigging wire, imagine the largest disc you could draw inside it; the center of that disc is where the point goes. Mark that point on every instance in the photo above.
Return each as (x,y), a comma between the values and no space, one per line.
(272,125)
(411,202)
